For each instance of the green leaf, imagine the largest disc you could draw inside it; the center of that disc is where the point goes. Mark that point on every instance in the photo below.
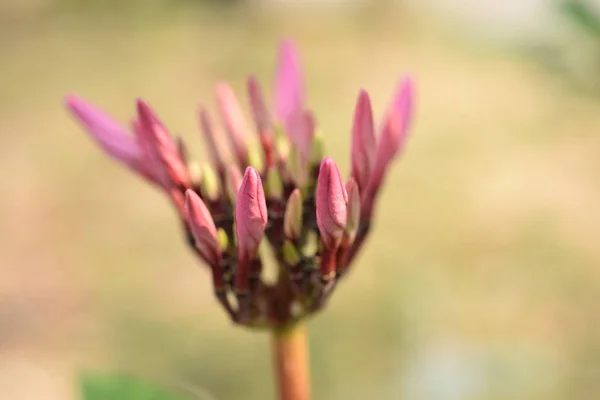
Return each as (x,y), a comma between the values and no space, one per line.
(582,14)
(120,387)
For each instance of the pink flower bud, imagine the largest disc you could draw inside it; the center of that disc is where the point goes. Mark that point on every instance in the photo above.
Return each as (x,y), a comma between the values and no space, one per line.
(234,121)
(262,120)
(331,202)
(202,227)
(250,215)
(214,149)
(392,138)
(289,86)
(260,112)
(116,141)
(363,141)
(162,151)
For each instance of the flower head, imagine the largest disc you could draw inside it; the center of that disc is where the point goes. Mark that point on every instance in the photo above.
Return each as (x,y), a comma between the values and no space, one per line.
(226,216)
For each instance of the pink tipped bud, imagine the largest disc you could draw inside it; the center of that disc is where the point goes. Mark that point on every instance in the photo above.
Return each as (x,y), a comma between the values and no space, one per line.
(292,219)
(163,153)
(289,86)
(331,204)
(234,121)
(213,145)
(250,215)
(110,135)
(203,227)
(363,140)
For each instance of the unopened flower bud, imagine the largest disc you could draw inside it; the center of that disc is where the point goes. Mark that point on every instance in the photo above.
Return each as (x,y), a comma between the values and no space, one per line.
(289,86)
(331,202)
(210,183)
(234,121)
(290,253)
(318,150)
(202,227)
(353,213)
(292,219)
(250,214)
(274,187)
(214,146)
(363,141)
(262,119)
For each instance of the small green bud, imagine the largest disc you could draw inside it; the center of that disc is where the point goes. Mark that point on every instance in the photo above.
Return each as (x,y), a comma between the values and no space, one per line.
(195,172)
(255,159)
(210,183)
(296,167)
(274,185)
(292,219)
(290,254)
(318,150)
(223,239)
(282,144)
(353,209)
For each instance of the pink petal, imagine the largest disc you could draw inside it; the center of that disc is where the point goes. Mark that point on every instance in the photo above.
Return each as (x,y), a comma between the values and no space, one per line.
(331,202)
(110,135)
(250,214)
(363,140)
(202,226)
(234,121)
(289,86)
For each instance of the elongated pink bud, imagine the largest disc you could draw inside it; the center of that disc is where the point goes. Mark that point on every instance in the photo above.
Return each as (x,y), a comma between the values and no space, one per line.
(234,121)
(262,119)
(289,86)
(163,153)
(363,141)
(203,227)
(392,138)
(250,214)
(331,202)
(115,139)
(214,150)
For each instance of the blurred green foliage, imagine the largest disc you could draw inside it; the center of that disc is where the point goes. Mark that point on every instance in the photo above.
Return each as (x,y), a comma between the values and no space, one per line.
(110,386)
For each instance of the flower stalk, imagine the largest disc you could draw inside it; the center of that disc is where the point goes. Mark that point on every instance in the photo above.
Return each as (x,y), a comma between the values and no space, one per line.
(290,361)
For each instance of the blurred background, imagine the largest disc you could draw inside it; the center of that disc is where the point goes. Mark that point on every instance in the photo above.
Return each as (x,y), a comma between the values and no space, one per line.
(481,279)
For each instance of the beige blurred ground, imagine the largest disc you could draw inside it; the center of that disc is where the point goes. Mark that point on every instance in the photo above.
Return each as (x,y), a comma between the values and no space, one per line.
(481,279)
